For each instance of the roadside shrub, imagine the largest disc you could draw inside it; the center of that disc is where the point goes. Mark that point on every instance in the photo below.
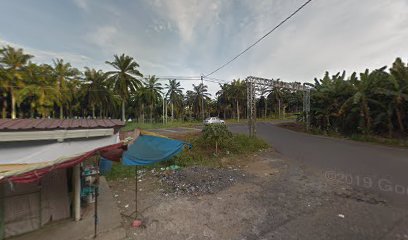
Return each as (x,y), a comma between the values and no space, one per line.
(216,134)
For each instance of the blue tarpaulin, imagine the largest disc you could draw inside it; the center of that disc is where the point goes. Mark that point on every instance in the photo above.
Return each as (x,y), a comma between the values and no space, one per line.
(148,150)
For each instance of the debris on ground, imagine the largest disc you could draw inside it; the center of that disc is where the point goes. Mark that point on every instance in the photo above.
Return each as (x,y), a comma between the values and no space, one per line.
(136,223)
(199,180)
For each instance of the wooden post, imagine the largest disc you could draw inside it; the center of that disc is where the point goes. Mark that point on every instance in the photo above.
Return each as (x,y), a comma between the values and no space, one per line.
(136,190)
(96,207)
(96,185)
(76,182)
(2,207)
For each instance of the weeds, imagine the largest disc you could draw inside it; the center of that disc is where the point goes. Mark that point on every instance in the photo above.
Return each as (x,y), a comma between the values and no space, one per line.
(201,154)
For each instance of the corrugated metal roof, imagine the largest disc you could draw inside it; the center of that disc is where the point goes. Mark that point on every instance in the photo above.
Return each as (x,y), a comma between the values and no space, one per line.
(53,124)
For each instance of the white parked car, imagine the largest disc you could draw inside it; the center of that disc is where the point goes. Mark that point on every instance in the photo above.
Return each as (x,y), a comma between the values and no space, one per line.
(213,120)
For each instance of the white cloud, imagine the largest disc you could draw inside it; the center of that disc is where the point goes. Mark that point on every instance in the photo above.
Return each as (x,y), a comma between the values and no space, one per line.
(44,56)
(83,4)
(190,17)
(193,37)
(102,36)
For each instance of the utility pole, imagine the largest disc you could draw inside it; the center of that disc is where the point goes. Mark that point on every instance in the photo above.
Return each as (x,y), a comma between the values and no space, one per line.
(202,98)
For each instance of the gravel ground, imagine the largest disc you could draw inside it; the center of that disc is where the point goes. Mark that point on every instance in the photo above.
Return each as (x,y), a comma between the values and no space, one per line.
(265,197)
(199,181)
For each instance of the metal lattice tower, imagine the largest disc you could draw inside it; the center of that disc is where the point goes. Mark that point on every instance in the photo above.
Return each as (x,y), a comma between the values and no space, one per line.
(254,85)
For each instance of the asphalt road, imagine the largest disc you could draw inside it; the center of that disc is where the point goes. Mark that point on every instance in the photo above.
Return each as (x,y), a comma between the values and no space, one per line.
(376,168)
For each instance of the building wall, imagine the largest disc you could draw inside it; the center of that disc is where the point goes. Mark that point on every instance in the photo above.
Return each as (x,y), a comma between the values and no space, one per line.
(29,206)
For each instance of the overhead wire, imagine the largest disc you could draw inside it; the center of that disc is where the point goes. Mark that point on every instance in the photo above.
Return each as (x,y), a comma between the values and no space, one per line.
(260,39)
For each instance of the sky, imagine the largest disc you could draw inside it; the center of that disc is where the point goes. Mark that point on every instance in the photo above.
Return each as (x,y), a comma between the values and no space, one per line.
(194,37)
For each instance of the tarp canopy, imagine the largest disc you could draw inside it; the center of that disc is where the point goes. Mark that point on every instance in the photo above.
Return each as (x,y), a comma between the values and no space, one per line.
(148,149)
(26,173)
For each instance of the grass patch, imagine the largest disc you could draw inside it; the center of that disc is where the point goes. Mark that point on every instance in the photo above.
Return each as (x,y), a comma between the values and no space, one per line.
(201,154)
(129,126)
(393,142)
(380,140)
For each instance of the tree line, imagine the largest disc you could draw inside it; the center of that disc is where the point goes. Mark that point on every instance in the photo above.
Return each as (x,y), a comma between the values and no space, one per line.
(371,102)
(59,90)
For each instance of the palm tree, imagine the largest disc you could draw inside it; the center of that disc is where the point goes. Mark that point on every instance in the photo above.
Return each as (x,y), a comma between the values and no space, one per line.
(13,62)
(140,99)
(3,92)
(238,92)
(174,94)
(97,93)
(153,91)
(189,102)
(124,78)
(223,98)
(38,89)
(63,72)
(200,96)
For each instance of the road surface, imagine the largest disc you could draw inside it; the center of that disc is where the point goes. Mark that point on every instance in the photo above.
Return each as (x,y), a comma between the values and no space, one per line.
(373,167)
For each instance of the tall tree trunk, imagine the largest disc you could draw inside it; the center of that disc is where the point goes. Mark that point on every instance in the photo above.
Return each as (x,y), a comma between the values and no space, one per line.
(93,110)
(143,118)
(367,117)
(13,103)
(279,108)
(165,108)
(237,110)
(202,108)
(4,110)
(123,110)
(151,113)
(32,110)
(61,112)
(172,111)
(400,120)
(266,107)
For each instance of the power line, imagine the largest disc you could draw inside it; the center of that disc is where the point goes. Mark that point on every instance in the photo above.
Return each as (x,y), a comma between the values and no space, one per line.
(264,36)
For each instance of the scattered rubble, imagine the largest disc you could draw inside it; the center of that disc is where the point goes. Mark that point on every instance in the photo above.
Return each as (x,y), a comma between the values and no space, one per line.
(199,180)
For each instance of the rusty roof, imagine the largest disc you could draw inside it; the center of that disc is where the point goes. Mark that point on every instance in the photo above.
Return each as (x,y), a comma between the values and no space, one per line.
(54,124)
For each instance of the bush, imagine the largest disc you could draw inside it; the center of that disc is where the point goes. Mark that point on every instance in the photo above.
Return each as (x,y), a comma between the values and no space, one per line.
(216,134)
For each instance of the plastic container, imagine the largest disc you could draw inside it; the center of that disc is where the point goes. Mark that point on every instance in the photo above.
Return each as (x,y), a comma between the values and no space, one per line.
(105,166)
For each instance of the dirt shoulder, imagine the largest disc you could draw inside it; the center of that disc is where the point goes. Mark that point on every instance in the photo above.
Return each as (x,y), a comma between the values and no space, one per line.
(261,196)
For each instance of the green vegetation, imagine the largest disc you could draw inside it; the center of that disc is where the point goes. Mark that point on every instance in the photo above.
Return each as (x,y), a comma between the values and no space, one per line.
(217,134)
(201,154)
(29,90)
(375,103)
(133,125)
